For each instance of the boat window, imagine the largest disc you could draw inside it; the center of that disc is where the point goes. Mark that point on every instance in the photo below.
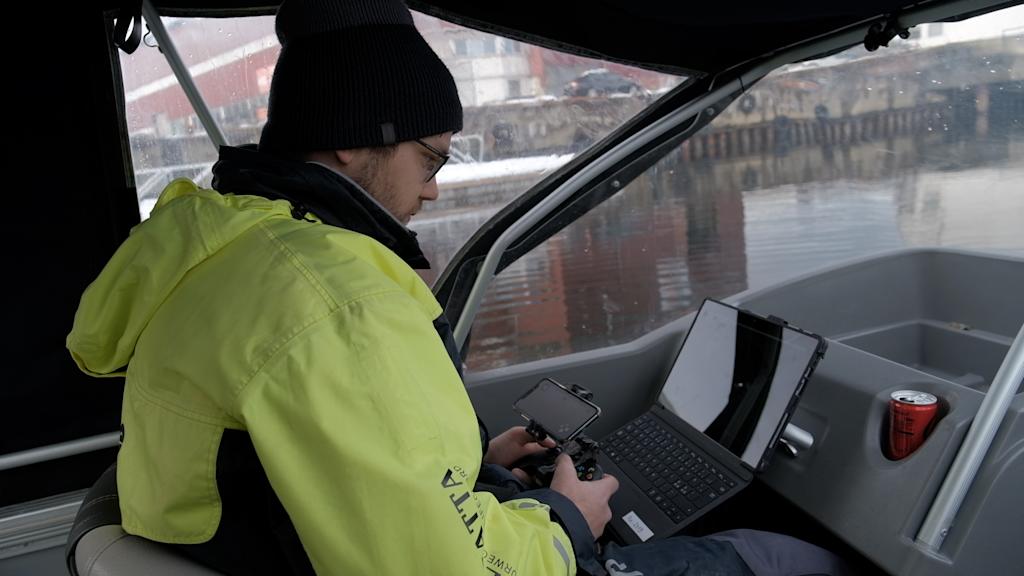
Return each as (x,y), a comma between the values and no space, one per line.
(920,144)
(528,110)
(231,61)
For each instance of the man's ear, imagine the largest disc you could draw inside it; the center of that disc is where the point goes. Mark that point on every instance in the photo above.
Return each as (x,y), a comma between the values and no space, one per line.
(345,157)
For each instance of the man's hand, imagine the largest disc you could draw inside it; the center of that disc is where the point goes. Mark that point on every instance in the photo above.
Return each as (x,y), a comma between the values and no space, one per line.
(513,444)
(590,497)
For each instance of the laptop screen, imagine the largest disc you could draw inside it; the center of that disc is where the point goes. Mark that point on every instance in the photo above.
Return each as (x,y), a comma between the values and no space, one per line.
(735,376)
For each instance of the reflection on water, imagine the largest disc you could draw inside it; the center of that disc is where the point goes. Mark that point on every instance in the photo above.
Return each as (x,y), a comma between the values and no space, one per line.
(692,228)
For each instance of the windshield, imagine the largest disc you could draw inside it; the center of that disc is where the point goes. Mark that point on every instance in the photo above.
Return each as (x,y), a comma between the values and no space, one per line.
(918,144)
(527,111)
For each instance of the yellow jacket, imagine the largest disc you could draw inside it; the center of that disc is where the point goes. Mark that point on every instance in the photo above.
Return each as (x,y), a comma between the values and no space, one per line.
(225,312)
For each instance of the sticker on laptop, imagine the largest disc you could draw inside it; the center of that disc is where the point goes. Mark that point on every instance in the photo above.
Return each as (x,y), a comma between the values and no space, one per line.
(637,525)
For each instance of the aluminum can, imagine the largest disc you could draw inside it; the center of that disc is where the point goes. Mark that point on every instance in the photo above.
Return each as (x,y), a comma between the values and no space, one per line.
(911,416)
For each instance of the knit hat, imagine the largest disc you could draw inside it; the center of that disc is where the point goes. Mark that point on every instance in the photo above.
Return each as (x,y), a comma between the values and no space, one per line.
(353,74)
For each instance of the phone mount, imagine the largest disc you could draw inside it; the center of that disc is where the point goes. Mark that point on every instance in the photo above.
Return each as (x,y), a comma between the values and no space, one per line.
(581,448)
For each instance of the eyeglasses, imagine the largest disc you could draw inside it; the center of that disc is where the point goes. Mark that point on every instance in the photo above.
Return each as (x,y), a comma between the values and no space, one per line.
(441,155)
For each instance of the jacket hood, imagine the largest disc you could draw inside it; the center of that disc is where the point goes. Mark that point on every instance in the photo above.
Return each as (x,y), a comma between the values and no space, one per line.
(147,267)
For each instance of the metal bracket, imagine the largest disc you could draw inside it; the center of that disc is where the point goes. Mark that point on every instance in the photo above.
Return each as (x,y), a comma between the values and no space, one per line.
(881,33)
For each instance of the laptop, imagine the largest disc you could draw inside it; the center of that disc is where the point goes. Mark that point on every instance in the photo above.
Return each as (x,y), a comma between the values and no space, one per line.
(725,403)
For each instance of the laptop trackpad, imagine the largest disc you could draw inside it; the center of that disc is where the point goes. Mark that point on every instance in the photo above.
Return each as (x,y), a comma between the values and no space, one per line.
(635,518)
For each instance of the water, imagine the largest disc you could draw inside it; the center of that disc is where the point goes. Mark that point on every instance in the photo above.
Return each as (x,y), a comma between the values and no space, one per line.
(686,230)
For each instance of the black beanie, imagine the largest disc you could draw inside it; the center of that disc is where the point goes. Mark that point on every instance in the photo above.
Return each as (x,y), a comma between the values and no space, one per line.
(354,74)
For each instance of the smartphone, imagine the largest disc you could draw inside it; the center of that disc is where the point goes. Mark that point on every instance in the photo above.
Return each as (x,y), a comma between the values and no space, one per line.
(562,413)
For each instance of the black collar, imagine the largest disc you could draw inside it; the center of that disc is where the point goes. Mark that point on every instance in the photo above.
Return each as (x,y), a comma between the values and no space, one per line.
(311,187)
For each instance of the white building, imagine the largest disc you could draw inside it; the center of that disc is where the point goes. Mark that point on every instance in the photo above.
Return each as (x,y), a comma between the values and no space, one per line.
(1007,24)
(486,68)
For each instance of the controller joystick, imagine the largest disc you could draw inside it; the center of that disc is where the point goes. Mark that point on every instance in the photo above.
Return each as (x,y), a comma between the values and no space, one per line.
(583,451)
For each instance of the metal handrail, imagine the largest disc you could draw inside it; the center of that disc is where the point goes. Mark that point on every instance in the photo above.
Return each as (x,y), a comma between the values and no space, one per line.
(156,26)
(61,450)
(974,448)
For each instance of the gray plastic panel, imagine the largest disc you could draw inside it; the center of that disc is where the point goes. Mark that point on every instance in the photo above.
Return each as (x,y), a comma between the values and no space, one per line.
(966,357)
(985,538)
(965,289)
(47,562)
(845,480)
(625,379)
(939,321)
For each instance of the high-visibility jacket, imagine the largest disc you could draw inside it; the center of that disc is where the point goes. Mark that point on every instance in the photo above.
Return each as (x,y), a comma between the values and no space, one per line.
(227,312)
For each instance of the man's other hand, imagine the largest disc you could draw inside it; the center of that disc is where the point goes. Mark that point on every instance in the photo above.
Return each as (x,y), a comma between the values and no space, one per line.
(514,444)
(590,497)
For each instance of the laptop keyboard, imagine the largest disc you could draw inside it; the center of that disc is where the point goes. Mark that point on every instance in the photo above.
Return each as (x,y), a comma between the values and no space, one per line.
(674,476)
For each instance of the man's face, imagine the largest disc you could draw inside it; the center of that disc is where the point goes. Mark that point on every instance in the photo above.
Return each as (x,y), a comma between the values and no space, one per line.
(398,177)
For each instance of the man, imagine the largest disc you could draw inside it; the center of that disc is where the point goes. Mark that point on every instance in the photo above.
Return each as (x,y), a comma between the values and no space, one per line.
(293,401)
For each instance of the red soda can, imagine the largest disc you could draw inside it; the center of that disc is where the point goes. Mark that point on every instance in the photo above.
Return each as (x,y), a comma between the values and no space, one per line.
(911,414)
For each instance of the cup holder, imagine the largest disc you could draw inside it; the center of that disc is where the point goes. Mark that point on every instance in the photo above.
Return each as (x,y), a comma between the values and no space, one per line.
(917,409)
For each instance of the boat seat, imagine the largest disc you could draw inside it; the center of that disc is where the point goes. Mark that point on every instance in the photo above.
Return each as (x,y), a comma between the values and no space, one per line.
(97,546)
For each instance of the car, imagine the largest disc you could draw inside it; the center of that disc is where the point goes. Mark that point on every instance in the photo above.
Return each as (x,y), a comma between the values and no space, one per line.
(601,82)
